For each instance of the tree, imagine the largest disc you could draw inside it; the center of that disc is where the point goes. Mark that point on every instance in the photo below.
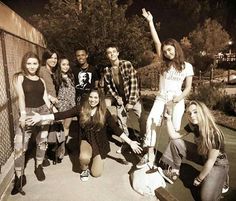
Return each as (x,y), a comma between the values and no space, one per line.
(210,37)
(207,40)
(100,23)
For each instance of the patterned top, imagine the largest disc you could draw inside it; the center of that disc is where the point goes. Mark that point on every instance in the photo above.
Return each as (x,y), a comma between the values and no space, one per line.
(66,95)
(130,82)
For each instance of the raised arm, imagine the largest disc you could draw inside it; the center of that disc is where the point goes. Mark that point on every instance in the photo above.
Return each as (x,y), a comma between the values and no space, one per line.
(154,34)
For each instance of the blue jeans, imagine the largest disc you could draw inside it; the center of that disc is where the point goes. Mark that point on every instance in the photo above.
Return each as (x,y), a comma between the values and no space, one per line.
(212,185)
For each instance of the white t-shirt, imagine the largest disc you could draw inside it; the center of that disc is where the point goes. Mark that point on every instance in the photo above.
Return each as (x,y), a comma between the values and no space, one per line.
(172,80)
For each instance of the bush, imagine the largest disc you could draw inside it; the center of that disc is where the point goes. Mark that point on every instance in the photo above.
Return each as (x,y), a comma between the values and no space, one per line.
(211,95)
(228,105)
(215,98)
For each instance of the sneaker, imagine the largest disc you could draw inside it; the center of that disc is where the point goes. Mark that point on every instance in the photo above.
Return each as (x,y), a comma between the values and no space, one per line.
(225,189)
(46,162)
(84,175)
(17,188)
(142,162)
(39,173)
(169,176)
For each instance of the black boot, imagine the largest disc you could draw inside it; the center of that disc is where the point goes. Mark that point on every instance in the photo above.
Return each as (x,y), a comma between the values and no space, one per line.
(17,188)
(39,173)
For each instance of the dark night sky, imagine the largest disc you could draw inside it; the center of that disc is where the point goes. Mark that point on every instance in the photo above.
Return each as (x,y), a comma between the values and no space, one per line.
(26,8)
(166,15)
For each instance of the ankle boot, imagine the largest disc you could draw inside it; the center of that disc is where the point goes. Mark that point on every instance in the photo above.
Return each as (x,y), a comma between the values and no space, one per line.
(17,184)
(39,173)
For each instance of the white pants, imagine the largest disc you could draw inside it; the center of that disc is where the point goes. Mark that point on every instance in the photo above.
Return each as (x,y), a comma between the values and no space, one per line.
(156,116)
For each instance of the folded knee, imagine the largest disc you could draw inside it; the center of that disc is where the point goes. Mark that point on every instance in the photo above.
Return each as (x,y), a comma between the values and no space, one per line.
(84,157)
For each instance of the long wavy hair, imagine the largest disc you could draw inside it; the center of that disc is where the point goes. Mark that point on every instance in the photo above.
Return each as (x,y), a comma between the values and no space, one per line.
(96,122)
(209,132)
(24,71)
(177,62)
(59,80)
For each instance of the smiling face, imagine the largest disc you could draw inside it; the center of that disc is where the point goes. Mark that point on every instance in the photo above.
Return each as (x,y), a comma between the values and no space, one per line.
(52,61)
(112,54)
(32,65)
(93,99)
(81,57)
(192,114)
(169,52)
(64,66)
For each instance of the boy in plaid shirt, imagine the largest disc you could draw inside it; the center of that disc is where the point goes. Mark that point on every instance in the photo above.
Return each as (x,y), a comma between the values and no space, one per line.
(122,84)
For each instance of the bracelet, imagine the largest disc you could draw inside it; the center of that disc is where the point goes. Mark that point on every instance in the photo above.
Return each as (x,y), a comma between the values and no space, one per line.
(198,179)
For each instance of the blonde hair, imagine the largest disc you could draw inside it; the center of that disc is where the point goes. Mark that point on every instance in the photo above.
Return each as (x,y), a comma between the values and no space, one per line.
(208,129)
(85,115)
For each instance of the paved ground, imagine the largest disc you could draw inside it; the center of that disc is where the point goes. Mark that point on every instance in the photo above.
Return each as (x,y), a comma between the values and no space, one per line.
(63,182)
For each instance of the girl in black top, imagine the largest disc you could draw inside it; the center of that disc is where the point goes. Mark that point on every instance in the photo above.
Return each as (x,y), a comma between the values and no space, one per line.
(32,97)
(93,118)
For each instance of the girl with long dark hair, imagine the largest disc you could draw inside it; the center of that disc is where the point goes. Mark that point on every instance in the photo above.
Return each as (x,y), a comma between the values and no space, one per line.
(93,118)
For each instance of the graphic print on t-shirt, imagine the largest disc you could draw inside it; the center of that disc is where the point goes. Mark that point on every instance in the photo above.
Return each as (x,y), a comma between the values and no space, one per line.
(84,79)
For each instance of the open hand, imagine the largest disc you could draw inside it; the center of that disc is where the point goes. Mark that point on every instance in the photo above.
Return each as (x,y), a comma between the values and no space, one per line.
(147,15)
(32,120)
(135,147)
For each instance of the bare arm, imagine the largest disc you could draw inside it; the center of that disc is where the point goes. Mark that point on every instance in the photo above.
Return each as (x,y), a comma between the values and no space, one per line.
(17,83)
(45,95)
(154,34)
(173,134)
(212,155)
(133,144)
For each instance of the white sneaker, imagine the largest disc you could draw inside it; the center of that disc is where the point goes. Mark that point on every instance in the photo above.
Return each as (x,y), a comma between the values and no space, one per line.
(84,175)
(225,189)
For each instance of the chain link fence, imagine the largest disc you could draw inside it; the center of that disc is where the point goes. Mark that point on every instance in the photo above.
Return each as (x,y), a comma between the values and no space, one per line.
(12,49)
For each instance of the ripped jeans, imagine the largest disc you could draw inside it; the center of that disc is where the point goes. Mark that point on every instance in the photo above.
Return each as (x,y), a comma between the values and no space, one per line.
(40,132)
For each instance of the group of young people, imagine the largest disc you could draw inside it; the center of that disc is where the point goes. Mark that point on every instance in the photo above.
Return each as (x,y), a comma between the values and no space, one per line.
(47,94)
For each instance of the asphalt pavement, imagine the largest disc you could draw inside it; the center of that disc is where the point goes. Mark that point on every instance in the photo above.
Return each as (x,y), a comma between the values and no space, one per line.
(63,180)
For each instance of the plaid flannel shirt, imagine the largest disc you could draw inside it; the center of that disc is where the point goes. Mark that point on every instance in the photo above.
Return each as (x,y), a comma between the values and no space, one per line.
(130,81)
